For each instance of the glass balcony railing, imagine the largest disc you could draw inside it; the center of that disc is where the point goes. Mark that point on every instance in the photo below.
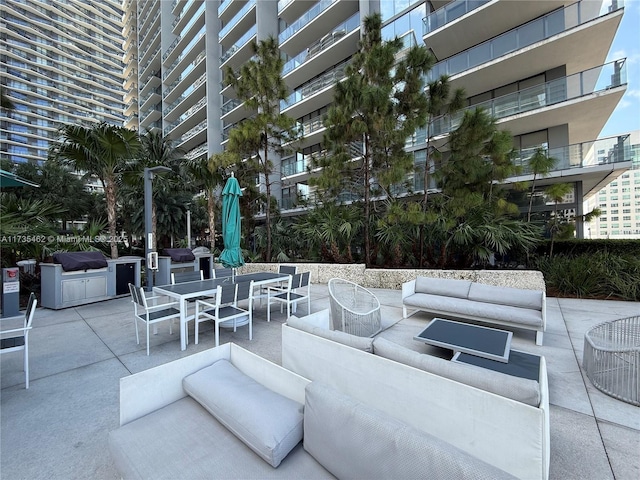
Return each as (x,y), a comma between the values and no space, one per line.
(223,6)
(305,19)
(562,89)
(282,4)
(236,18)
(603,151)
(184,53)
(325,80)
(239,44)
(312,125)
(449,13)
(329,39)
(230,105)
(540,29)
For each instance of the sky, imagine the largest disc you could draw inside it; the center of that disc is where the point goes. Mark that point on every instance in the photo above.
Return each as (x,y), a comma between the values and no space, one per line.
(626,116)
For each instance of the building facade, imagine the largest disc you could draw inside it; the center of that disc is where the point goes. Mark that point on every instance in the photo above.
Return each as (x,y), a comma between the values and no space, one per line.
(538,67)
(61,63)
(619,201)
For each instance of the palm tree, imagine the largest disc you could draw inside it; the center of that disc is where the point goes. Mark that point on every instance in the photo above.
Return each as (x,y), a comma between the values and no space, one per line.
(101,150)
(539,164)
(556,192)
(209,174)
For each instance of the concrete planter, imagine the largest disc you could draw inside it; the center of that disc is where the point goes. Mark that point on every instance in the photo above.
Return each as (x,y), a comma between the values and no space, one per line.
(394,278)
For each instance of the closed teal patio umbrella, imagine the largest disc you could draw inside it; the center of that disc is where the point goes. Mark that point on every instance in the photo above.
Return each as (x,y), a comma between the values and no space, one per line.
(231,256)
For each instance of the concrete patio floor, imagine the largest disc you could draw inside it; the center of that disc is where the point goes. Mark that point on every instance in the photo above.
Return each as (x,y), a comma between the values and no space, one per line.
(58,428)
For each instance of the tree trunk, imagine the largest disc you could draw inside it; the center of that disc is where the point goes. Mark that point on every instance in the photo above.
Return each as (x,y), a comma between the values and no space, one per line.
(110,195)
(367,207)
(267,212)
(533,187)
(212,219)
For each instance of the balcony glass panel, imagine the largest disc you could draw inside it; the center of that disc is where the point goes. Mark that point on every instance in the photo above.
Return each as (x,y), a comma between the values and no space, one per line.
(314,86)
(239,44)
(234,21)
(523,36)
(305,19)
(332,37)
(449,13)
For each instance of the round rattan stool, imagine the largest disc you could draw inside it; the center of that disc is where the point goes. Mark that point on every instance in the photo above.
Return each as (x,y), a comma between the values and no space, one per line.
(611,358)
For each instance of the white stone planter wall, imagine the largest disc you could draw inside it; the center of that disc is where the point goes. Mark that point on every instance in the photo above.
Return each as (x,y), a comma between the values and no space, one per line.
(394,278)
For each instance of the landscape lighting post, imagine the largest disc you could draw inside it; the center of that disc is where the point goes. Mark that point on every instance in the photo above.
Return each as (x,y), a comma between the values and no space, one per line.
(148,231)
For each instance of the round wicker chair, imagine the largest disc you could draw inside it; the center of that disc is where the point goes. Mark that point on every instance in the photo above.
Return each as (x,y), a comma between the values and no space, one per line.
(354,309)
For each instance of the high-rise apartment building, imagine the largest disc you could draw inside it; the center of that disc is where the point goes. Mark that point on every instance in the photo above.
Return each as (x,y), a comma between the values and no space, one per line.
(61,63)
(619,201)
(539,67)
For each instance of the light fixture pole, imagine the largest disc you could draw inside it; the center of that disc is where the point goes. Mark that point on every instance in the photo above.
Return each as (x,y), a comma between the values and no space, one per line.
(148,222)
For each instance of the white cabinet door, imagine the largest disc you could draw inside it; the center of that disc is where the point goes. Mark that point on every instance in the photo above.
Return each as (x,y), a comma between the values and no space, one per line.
(96,287)
(73,290)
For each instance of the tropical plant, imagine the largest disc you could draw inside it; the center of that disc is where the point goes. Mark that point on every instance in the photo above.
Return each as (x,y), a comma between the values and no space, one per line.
(210,174)
(155,150)
(379,104)
(101,150)
(540,165)
(556,192)
(259,84)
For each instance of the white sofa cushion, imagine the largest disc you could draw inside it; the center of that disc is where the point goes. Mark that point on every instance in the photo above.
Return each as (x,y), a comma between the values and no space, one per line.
(443,286)
(515,297)
(355,441)
(519,389)
(472,308)
(361,343)
(267,422)
(321,319)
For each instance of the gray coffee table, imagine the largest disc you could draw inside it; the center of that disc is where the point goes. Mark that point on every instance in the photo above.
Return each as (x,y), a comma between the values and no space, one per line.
(477,340)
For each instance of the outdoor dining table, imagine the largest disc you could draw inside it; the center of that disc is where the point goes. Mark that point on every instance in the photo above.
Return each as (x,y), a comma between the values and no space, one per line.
(182,292)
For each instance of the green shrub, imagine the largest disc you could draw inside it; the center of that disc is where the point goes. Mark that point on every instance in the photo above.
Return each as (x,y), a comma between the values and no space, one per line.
(596,275)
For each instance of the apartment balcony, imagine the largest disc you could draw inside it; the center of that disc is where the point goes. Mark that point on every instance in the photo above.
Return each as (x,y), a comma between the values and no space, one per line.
(229,9)
(453,27)
(184,104)
(312,131)
(314,94)
(315,23)
(131,108)
(240,51)
(150,98)
(234,110)
(151,65)
(190,53)
(151,46)
(191,10)
(573,37)
(151,81)
(199,151)
(291,10)
(193,137)
(582,161)
(130,80)
(341,42)
(239,24)
(183,42)
(151,115)
(191,77)
(567,100)
(177,6)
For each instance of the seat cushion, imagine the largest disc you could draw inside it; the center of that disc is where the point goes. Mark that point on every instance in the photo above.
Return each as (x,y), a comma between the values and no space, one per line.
(519,389)
(526,317)
(353,440)
(267,422)
(321,319)
(184,441)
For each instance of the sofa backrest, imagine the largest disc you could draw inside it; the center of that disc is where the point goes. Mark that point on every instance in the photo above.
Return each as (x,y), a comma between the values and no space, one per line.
(361,343)
(373,445)
(510,435)
(520,389)
(515,297)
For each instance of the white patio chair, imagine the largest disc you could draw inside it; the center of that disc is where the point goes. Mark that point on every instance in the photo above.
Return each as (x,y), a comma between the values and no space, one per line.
(16,343)
(151,314)
(225,310)
(296,289)
(354,309)
(284,269)
(224,272)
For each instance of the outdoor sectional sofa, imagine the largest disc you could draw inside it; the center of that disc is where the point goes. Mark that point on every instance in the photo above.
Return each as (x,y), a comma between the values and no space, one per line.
(497,418)
(227,413)
(510,307)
